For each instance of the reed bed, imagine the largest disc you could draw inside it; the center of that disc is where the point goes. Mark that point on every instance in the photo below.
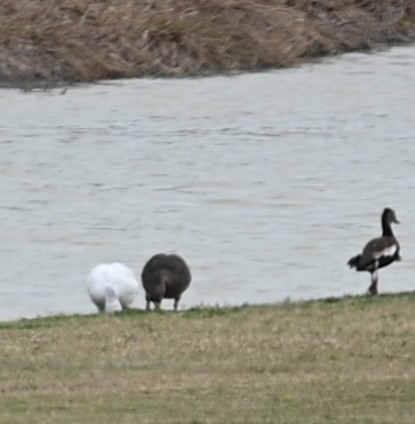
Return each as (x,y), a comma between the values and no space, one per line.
(84,40)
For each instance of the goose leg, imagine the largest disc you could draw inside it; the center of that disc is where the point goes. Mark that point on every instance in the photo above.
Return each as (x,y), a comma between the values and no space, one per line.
(176,303)
(373,289)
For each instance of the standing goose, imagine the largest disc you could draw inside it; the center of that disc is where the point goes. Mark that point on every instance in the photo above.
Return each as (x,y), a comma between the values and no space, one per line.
(378,252)
(112,287)
(165,276)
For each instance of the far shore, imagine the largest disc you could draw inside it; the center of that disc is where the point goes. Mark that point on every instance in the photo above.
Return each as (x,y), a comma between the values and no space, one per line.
(54,43)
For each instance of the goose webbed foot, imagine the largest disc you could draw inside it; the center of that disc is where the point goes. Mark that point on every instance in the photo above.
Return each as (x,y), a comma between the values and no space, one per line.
(373,289)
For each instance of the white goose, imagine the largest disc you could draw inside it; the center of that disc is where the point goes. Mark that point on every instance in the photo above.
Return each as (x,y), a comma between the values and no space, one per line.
(112,287)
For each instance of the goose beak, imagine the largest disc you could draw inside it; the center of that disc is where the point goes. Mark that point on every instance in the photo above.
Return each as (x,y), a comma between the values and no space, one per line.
(396,221)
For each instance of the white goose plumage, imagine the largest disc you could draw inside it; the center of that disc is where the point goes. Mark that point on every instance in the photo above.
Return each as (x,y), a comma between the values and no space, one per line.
(112,287)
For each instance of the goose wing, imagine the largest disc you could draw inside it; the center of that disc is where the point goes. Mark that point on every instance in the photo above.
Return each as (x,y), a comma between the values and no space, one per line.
(377,249)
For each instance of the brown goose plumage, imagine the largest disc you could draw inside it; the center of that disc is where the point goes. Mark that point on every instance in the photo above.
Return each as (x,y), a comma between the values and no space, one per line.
(165,277)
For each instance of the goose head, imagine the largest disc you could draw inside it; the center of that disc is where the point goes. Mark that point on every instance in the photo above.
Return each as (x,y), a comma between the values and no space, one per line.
(389,215)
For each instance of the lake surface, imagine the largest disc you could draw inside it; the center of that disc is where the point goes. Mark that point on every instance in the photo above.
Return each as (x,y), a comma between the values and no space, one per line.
(265,183)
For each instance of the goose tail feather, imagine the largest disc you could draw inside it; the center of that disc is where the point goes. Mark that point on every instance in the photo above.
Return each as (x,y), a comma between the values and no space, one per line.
(354,261)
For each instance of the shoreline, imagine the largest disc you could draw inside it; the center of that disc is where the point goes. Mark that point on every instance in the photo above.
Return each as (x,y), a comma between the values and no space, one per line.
(78,41)
(208,309)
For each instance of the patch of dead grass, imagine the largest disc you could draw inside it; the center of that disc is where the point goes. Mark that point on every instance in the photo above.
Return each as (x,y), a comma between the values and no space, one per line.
(80,40)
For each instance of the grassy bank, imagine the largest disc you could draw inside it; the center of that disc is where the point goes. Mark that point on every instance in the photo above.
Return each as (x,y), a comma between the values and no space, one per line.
(84,40)
(335,361)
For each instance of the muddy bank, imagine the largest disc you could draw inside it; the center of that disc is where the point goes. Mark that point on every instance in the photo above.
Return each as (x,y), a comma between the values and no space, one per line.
(81,40)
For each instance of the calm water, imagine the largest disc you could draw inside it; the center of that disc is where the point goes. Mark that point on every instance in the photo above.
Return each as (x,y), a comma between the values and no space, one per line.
(266,183)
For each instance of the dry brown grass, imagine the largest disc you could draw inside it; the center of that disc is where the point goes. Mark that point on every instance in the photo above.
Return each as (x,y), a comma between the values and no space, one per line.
(340,361)
(81,40)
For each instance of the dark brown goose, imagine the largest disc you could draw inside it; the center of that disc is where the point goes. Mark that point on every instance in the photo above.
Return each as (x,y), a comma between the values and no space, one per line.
(378,252)
(165,277)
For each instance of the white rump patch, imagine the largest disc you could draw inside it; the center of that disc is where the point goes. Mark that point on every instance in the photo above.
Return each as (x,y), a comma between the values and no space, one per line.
(388,251)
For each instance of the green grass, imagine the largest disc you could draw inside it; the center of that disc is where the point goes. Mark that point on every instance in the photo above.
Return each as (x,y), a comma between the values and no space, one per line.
(330,361)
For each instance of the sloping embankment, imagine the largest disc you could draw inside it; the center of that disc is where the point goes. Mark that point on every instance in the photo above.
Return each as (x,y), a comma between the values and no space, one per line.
(340,361)
(85,40)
